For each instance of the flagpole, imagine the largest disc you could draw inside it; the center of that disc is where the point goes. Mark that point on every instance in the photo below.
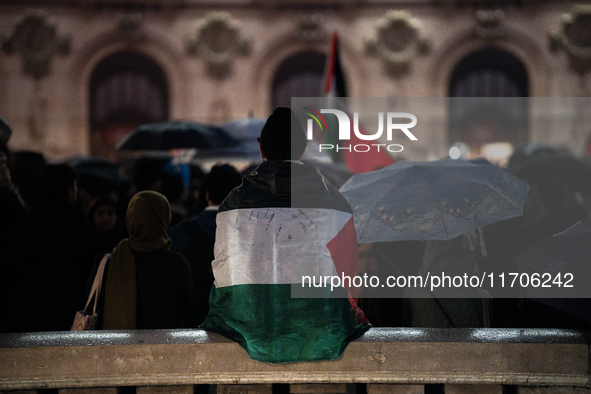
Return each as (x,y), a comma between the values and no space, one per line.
(330,92)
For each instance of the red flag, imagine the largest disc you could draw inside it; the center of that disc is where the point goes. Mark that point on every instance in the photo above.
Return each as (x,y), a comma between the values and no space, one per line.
(360,161)
(334,86)
(334,80)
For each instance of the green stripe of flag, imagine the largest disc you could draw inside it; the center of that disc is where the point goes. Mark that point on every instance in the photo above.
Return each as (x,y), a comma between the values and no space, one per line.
(298,329)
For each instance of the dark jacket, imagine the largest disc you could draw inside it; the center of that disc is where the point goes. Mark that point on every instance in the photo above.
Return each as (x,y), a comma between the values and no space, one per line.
(277,183)
(57,245)
(164,290)
(195,239)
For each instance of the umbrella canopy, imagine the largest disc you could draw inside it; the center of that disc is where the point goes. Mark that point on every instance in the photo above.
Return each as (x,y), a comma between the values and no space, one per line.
(177,135)
(563,166)
(437,200)
(531,150)
(97,175)
(568,252)
(245,130)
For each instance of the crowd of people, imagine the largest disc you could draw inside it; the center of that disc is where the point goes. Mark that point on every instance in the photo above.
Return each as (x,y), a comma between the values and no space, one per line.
(54,230)
(160,273)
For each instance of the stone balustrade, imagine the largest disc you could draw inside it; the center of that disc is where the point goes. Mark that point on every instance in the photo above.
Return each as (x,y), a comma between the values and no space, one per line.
(384,360)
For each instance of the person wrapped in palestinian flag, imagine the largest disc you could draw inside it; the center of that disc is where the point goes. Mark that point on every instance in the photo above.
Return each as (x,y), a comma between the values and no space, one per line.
(285,222)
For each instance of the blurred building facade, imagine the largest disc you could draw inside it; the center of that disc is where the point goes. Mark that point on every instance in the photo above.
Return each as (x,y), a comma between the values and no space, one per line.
(75,76)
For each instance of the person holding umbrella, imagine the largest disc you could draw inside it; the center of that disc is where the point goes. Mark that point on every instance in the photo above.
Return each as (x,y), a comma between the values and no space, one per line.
(446,203)
(447,307)
(553,196)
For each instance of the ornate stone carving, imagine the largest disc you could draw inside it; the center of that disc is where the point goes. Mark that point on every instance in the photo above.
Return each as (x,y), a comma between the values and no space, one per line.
(129,25)
(310,27)
(575,38)
(218,42)
(490,24)
(36,38)
(397,40)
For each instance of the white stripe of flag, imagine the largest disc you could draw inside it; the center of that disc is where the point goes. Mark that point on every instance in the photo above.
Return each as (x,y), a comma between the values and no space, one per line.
(280,245)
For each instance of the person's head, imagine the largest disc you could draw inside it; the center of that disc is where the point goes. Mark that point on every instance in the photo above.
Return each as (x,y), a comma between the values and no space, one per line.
(25,171)
(173,188)
(102,211)
(553,192)
(148,217)
(58,182)
(219,182)
(282,136)
(147,173)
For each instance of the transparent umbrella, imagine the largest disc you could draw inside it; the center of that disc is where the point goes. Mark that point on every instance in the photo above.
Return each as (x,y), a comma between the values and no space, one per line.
(434,200)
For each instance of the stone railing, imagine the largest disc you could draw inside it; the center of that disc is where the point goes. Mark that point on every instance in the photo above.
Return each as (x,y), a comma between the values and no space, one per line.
(384,360)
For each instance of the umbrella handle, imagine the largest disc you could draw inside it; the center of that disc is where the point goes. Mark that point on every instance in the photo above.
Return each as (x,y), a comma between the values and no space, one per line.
(481,238)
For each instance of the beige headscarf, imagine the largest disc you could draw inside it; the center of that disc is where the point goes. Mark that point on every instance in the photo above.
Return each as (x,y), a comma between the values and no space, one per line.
(148,218)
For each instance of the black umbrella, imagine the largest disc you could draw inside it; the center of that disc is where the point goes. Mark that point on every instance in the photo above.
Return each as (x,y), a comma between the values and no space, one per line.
(555,165)
(97,166)
(246,130)
(524,153)
(177,135)
(557,270)
(97,175)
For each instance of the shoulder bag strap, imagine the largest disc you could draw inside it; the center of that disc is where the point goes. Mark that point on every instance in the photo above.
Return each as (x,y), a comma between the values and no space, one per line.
(97,283)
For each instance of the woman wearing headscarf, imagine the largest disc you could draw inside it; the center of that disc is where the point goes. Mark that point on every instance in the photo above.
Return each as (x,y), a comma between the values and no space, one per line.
(146,285)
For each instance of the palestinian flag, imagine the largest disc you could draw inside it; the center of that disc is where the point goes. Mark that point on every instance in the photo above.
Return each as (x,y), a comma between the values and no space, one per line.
(267,239)
(335,87)
(334,84)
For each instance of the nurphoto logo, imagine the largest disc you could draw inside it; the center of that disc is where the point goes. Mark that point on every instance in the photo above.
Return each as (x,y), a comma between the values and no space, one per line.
(344,129)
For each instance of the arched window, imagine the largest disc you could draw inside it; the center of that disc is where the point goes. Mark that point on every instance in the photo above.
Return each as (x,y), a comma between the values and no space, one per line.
(300,75)
(127,89)
(501,117)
